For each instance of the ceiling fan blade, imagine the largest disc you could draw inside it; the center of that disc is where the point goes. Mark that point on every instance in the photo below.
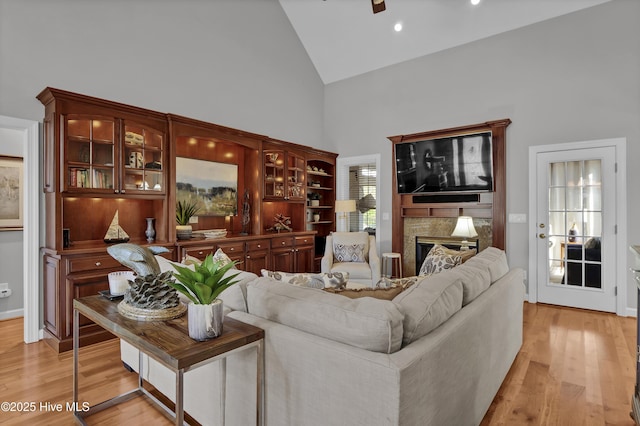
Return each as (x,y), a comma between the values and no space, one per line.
(378,6)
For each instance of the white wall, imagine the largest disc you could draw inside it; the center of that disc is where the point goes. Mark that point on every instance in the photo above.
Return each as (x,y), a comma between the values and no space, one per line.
(572,78)
(11,247)
(234,63)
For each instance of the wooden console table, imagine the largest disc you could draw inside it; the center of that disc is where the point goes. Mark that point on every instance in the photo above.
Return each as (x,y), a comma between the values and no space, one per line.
(168,343)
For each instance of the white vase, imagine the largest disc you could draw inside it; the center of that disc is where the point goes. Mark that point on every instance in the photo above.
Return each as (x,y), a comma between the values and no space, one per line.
(183,232)
(205,321)
(315,203)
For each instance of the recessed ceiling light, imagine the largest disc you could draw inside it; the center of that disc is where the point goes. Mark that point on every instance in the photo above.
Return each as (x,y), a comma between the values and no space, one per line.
(475,2)
(397,27)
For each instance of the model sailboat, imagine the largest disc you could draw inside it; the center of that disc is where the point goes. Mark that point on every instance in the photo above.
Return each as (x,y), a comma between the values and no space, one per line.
(115,234)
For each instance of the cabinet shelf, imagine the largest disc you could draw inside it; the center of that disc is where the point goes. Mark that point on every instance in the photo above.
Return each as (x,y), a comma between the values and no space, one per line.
(310,172)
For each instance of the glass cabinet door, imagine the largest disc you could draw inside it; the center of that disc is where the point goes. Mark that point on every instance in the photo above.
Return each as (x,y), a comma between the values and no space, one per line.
(90,154)
(295,177)
(143,159)
(274,171)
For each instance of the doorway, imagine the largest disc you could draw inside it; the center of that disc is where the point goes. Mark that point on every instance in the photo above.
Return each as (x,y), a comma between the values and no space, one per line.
(576,209)
(357,179)
(28,139)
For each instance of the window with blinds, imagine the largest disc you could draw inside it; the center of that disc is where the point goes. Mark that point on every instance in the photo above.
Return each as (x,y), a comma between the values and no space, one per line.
(362,188)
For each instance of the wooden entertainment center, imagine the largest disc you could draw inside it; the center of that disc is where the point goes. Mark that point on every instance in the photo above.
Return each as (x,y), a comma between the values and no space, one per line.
(102,156)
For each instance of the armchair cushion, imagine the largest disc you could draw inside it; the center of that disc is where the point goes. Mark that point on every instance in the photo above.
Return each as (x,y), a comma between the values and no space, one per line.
(367,272)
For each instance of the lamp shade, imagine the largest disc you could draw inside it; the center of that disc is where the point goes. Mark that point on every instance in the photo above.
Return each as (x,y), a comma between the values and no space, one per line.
(345,206)
(464,228)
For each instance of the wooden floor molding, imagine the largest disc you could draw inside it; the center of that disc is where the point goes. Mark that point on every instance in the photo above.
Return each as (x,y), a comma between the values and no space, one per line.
(575,367)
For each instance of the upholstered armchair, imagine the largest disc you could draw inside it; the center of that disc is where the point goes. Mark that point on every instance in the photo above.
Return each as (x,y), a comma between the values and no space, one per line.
(355,253)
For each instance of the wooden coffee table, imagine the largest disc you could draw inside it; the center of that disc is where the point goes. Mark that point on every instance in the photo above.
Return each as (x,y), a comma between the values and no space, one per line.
(168,343)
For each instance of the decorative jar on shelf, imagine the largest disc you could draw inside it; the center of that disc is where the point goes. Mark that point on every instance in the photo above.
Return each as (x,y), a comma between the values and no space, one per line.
(150,232)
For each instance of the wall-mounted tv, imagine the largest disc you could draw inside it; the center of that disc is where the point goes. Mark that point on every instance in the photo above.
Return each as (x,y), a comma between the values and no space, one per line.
(461,163)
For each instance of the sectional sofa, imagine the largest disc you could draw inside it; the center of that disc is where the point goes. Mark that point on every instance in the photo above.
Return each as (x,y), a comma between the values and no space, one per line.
(436,354)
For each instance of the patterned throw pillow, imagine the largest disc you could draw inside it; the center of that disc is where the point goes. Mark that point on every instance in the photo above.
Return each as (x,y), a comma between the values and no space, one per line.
(439,260)
(220,256)
(348,252)
(326,280)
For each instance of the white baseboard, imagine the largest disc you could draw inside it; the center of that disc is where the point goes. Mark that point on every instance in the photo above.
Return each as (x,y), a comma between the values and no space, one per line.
(631,312)
(16,313)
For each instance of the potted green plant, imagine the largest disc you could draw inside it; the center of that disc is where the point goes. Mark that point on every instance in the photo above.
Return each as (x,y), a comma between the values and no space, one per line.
(314,198)
(202,286)
(185,210)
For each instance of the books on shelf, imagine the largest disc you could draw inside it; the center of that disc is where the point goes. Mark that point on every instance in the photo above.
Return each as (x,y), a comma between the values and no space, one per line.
(79,178)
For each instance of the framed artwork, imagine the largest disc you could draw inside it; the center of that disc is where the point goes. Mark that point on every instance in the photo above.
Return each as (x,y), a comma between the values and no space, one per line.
(214,184)
(11,198)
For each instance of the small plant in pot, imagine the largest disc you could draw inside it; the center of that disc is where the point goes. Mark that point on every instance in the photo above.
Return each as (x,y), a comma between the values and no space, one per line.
(314,198)
(202,286)
(185,210)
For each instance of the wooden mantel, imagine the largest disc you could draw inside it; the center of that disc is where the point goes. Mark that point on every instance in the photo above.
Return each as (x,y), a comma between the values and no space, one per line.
(403,205)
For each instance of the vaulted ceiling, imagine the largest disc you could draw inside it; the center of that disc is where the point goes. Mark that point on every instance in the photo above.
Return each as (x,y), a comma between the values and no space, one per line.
(344,38)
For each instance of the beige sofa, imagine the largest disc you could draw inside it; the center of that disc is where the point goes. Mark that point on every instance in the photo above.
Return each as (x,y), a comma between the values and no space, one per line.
(421,359)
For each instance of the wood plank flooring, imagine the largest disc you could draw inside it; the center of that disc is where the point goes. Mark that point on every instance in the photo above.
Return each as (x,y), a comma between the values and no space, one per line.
(575,367)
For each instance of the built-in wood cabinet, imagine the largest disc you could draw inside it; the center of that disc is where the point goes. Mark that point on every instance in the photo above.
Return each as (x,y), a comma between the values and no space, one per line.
(284,175)
(292,253)
(287,252)
(103,157)
(70,276)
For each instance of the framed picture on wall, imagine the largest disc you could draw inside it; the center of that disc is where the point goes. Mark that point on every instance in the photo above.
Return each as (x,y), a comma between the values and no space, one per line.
(11,198)
(214,185)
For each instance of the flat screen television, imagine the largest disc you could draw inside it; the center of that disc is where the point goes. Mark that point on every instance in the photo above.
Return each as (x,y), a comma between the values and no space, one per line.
(461,163)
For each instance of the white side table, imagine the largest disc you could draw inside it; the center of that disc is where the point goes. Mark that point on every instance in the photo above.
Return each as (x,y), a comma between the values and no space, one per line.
(396,260)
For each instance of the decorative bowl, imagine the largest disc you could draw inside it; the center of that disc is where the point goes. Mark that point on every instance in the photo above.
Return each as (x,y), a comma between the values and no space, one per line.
(215,233)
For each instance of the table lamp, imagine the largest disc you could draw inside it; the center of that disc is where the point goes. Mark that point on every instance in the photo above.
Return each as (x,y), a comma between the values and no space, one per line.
(343,208)
(464,228)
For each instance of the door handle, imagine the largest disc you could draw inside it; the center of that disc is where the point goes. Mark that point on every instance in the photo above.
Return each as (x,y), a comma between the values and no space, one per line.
(542,236)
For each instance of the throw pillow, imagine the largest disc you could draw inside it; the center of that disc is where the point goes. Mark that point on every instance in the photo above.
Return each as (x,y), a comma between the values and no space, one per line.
(464,254)
(326,280)
(348,252)
(191,260)
(385,292)
(438,260)
(220,256)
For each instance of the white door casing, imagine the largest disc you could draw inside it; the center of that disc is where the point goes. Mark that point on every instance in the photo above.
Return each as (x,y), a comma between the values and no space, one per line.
(31,230)
(550,281)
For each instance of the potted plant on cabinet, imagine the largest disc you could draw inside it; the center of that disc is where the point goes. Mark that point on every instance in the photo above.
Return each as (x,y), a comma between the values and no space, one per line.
(185,210)
(202,286)
(314,199)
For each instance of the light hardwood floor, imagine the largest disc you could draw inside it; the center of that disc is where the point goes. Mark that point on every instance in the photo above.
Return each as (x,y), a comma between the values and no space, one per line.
(575,367)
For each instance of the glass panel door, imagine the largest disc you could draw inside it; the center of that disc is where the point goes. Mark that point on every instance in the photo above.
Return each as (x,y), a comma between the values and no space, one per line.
(575,223)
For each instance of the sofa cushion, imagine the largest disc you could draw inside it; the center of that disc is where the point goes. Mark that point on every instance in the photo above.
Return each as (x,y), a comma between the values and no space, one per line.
(492,259)
(474,281)
(429,303)
(367,323)
(439,259)
(324,280)
(234,297)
